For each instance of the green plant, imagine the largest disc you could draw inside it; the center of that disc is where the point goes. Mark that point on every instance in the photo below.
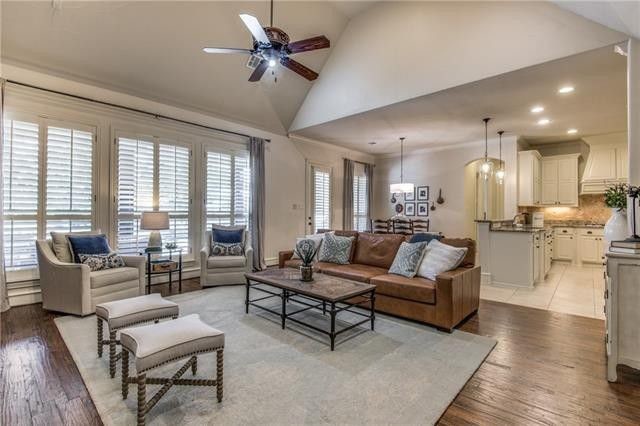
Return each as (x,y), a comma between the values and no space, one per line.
(615,196)
(306,251)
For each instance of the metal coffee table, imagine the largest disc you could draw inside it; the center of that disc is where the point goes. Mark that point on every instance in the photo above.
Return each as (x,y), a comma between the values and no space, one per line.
(326,293)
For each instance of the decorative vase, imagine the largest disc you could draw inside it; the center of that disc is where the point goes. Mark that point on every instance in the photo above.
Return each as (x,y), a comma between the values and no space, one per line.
(306,273)
(616,228)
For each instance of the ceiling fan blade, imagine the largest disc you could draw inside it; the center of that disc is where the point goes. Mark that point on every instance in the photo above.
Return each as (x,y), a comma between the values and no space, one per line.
(256,75)
(298,68)
(255,28)
(313,43)
(225,50)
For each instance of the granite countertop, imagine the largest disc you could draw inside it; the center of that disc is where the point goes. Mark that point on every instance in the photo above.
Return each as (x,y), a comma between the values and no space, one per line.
(507,226)
(513,228)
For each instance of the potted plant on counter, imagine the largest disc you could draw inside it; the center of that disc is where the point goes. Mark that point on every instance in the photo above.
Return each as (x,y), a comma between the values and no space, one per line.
(616,228)
(306,251)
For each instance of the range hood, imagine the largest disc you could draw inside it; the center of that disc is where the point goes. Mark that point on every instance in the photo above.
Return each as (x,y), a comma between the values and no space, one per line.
(607,163)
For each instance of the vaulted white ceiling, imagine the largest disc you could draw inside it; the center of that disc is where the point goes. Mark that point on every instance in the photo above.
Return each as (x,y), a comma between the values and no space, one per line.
(153,49)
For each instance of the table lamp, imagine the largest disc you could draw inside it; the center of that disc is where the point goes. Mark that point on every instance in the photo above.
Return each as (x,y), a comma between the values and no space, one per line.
(154,222)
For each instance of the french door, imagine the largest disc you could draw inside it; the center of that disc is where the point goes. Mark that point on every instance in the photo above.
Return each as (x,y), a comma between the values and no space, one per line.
(319,183)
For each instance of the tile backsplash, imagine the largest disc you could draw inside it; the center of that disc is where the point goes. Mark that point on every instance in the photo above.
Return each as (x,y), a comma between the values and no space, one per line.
(591,209)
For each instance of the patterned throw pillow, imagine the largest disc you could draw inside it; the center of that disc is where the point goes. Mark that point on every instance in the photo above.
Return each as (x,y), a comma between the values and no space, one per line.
(335,249)
(227,249)
(408,259)
(440,258)
(98,262)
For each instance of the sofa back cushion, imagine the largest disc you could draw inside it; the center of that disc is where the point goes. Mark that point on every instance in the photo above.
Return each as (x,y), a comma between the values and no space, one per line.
(377,249)
(470,258)
(61,247)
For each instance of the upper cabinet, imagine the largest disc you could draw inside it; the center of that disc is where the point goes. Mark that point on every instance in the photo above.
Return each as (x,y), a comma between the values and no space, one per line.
(607,165)
(529,178)
(559,185)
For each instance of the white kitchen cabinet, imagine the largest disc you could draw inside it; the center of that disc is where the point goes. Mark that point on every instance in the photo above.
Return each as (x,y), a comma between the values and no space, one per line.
(564,244)
(559,183)
(529,178)
(590,246)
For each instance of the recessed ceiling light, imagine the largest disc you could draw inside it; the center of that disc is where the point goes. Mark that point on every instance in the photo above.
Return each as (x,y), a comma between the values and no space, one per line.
(566,89)
(272,63)
(543,121)
(572,131)
(372,143)
(537,109)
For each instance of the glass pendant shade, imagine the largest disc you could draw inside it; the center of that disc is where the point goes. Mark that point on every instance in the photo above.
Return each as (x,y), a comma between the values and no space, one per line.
(401,188)
(500,176)
(500,173)
(486,169)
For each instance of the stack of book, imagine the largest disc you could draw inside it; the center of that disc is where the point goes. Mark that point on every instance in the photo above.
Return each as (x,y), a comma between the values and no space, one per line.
(629,247)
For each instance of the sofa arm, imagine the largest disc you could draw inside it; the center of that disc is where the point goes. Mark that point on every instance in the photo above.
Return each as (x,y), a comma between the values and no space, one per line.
(138,262)
(65,286)
(248,254)
(457,295)
(283,256)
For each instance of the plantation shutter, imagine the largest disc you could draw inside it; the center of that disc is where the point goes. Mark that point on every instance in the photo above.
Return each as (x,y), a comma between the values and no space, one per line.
(360,199)
(227,188)
(174,194)
(321,198)
(135,192)
(69,179)
(21,175)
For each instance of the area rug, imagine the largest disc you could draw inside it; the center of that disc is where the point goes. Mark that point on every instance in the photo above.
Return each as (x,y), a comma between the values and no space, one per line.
(401,373)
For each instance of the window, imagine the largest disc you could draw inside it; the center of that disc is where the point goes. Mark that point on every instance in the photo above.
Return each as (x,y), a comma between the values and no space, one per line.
(227,188)
(321,197)
(152,175)
(66,187)
(360,199)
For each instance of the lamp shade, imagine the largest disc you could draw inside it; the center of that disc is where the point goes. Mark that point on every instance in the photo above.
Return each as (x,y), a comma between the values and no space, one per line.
(154,221)
(401,188)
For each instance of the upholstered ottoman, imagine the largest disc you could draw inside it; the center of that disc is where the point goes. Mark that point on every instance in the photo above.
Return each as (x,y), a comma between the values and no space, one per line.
(154,345)
(127,312)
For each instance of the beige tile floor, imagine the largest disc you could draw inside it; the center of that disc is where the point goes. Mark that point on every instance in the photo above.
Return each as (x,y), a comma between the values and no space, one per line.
(568,289)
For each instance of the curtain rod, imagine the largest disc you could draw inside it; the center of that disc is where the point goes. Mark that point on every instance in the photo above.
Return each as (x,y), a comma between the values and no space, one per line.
(359,162)
(139,111)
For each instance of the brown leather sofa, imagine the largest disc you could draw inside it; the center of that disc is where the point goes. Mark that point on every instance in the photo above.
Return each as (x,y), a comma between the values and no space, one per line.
(444,303)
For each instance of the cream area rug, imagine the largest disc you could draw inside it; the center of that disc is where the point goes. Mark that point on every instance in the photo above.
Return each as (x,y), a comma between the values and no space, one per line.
(401,373)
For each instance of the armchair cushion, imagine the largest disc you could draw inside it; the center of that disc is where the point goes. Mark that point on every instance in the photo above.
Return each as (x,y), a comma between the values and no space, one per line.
(88,244)
(60,244)
(226,262)
(113,276)
(98,262)
(226,249)
(227,234)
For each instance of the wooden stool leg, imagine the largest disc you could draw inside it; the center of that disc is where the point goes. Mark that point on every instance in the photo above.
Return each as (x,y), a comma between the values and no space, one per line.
(194,366)
(125,373)
(99,323)
(142,398)
(112,354)
(219,373)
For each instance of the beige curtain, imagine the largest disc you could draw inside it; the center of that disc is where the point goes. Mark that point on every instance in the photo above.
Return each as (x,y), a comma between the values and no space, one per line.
(4,299)
(368,171)
(347,195)
(257,221)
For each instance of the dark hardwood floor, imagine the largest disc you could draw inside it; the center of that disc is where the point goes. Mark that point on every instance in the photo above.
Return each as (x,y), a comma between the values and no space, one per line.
(547,368)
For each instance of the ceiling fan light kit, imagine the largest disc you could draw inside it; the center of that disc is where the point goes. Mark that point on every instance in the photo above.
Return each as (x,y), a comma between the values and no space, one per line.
(272,46)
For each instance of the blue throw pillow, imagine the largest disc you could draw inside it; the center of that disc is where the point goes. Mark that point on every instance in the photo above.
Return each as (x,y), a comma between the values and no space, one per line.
(88,244)
(230,235)
(425,237)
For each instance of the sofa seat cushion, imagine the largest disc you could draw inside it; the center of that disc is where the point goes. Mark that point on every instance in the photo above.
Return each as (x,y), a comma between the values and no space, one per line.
(417,289)
(354,271)
(226,262)
(107,277)
(377,250)
(292,263)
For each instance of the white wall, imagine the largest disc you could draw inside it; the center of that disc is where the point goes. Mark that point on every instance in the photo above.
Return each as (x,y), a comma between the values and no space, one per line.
(444,169)
(285,166)
(396,51)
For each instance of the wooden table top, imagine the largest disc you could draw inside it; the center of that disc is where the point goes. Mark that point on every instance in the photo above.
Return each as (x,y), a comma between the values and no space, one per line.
(323,287)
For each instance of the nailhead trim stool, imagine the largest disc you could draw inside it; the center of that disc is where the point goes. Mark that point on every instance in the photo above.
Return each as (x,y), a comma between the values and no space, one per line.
(124,313)
(154,345)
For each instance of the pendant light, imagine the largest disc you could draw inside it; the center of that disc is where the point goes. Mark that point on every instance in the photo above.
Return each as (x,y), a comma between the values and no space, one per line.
(486,169)
(402,187)
(500,172)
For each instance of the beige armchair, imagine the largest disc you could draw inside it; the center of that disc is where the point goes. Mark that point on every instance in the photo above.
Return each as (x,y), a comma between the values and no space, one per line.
(221,270)
(72,288)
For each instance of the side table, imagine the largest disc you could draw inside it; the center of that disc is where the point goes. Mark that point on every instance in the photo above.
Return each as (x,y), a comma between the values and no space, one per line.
(151,262)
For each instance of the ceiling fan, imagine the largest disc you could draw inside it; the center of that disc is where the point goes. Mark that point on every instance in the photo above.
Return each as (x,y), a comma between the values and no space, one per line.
(271,46)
